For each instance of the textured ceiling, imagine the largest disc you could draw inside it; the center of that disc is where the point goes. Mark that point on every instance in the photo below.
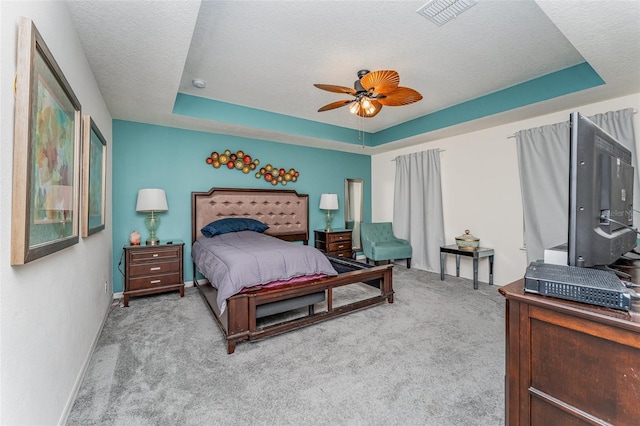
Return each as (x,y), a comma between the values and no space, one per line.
(266,55)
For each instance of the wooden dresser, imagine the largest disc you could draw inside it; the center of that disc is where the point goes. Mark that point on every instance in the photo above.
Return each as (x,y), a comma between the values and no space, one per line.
(336,242)
(153,269)
(570,363)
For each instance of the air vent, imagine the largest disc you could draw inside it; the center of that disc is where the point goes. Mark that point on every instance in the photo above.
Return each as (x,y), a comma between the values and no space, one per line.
(442,11)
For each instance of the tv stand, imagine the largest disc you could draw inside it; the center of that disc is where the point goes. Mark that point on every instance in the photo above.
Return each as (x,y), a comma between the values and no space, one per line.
(568,362)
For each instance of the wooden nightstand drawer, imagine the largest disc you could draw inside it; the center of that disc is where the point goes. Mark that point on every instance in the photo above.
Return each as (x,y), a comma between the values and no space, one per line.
(339,236)
(340,246)
(155,254)
(150,282)
(154,268)
(344,253)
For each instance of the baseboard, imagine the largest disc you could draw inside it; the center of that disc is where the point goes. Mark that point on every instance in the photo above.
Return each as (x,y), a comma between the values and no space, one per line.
(64,418)
(120,294)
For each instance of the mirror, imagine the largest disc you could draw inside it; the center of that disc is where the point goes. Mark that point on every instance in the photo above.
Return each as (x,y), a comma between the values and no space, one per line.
(353,206)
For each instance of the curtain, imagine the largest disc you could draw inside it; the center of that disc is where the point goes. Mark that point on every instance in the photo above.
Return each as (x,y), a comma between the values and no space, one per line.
(543,160)
(417,207)
(619,124)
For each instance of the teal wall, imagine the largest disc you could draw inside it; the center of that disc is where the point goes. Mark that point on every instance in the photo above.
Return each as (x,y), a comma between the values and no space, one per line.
(573,79)
(147,156)
(558,83)
(210,109)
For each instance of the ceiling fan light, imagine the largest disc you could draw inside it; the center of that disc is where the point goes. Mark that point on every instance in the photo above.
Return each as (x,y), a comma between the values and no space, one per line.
(378,88)
(368,107)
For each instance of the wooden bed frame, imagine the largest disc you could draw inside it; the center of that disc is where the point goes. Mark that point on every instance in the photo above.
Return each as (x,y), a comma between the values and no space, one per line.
(286,213)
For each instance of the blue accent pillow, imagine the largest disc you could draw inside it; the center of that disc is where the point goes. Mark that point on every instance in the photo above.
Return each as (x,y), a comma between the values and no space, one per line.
(232,224)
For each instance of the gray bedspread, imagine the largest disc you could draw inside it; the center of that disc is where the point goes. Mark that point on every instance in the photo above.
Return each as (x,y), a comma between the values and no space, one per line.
(242,259)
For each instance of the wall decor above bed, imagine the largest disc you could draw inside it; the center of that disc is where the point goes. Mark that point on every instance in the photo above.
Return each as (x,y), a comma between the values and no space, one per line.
(242,161)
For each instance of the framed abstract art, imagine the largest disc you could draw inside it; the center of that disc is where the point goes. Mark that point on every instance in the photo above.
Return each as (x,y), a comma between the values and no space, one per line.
(46,153)
(94,175)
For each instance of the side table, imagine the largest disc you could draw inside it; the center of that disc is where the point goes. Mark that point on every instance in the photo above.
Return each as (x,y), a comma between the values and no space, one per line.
(480,252)
(153,269)
(336,242)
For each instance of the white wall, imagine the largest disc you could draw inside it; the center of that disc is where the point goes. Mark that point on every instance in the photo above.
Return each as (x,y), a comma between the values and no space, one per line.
(481,188)
(51,310)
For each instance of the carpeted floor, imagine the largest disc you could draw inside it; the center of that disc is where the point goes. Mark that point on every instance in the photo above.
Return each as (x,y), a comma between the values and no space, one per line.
(434,357)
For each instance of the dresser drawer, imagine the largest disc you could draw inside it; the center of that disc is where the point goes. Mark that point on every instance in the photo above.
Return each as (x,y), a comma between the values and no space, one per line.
(157,254)
(340,246)
(153,268)
(335,237)
(144,283)
(343,253)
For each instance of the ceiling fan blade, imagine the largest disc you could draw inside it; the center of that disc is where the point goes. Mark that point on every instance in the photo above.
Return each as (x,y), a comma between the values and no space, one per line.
(380,82)
(334,105)
(377,105)
(400,96)
(336,89)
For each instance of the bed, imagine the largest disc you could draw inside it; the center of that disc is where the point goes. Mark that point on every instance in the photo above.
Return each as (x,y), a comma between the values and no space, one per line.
(263,311)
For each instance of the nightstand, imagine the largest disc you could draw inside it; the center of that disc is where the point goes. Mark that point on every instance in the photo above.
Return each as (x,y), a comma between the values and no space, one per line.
(153,269)
(336,242)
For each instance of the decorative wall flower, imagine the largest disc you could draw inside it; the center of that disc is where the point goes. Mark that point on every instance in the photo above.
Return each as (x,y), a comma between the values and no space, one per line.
(243,161)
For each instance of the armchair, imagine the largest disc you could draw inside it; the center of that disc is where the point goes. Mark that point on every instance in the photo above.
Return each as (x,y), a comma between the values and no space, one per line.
(379,243)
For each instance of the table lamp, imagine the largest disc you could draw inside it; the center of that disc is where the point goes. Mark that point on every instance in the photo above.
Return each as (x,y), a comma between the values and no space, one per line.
(152,201)
(329,202)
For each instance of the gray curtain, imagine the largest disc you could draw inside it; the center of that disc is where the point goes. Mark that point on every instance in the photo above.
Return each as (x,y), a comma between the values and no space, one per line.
(417,207)
(543,160)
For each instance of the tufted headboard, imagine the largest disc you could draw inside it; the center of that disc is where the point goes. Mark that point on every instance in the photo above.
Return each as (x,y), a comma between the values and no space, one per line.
(285,211)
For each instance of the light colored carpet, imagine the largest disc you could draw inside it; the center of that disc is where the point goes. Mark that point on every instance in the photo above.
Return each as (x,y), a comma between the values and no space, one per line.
(434,357)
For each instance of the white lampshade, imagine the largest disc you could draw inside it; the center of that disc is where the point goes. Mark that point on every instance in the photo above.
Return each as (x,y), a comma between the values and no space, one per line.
(329,201)
(152,200)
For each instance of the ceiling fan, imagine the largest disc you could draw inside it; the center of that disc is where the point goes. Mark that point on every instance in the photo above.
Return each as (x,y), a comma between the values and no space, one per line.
(372,90)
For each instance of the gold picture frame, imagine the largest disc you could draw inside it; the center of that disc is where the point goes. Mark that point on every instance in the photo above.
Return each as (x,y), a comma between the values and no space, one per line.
(46,153)
(94,177)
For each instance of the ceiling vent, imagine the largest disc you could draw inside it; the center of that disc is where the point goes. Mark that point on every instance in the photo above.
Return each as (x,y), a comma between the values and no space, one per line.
(442,11)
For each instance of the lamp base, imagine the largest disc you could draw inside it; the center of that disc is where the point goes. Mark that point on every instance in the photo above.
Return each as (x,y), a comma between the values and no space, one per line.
(152,221)
(153,241)
(329,218)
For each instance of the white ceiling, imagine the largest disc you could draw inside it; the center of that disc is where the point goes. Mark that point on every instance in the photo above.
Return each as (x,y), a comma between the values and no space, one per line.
(266,55)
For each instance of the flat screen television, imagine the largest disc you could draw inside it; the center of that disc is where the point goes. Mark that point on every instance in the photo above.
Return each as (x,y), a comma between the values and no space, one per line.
(600,196)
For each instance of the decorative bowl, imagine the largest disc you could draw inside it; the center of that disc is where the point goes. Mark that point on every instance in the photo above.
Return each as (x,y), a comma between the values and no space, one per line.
(467,242)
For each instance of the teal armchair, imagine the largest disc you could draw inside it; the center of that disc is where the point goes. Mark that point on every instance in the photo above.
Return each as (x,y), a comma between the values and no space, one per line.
(379,243)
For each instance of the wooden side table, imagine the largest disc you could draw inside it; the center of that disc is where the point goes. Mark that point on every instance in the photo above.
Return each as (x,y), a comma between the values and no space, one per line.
(480,252)
(153,269)
(336,242)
